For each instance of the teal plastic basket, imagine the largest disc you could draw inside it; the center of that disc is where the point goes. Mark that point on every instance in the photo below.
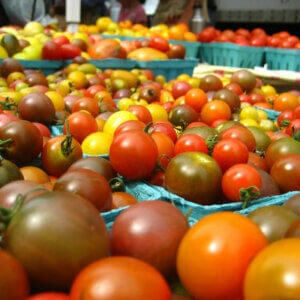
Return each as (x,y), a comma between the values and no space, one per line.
(231,55)
(145,191)
(46,66)
(123,38)
(171,68)
(272,114)
(110,63)
(56,130)
(283,59)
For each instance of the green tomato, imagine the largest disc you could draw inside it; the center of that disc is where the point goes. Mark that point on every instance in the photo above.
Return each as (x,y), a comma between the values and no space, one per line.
(20,86)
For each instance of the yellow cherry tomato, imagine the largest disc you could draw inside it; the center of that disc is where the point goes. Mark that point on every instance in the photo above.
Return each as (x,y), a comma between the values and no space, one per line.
(100,124)
(249,113)
(14,76)
(268,90)
(166,96)
(262,115)
(65,87)
(249,122)
(97,143)
(135,96)
(28,90)
(157,112)
(15,96)
(125,103)
(78,79)
(245,104)
(141,102)
(194,82)
(116,120)
(161,79)
(183,77)
(57,100)
(225,80)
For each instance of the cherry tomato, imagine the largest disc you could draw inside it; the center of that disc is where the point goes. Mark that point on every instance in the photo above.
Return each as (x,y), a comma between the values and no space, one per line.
(159,43)
(285,101)
(190,142)
(133,154)
(165,128)
(34,174)
(255,160)
(44,130)
(222,239)
(214,110)
(296,112)
(49,296)
(293,127)
(142,113)
(237,177)
(196,98)
(211,83)
(241,133)
(165,147)
(274,272)
(229,152)
(61,40)
(70,51)
(121,199)
(81,125)
(234,87)
(97,143)
(130,125)
(52,51)
(180,89)
(121,278)
(88,104)
(284,116)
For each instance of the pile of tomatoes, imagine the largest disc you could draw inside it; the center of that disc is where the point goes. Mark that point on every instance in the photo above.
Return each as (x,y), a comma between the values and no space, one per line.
(207,140)
(256,38)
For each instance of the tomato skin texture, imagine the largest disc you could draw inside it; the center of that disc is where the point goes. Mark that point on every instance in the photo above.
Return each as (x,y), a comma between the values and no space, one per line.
(286,172)
(229,152)
(241,133)
(127,278)
(87,240)
(281,147)
(54,161)
(267,275)
(194,176)
(14,284)
(190,142)
(159,43)
(70,51)
(27,141)
(52,51)
(133,154)
(81,125)
(205,248)
(237,177)
(49,296)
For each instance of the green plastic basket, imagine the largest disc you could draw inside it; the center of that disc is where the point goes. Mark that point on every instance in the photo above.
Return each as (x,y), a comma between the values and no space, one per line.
(170,68)
(283,59)
(123,38)
(231,55)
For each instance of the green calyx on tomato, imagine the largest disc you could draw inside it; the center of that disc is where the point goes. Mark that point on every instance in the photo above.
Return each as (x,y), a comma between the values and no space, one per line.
(5,142)
(66,148)
(296,134)
(116,185)
(9,105)
(248,194)
(211,141)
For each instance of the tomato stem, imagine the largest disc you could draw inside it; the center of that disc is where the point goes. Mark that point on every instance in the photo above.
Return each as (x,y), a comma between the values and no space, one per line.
(295,134)
(147,128)
(66,144)
(248,194)
(7,105)
(211,142)
(117,185)
(2,143)
(189,213)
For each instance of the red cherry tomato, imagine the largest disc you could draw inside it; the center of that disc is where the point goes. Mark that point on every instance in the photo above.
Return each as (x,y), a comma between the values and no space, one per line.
(238,177)
(166,128)
(49,296)
(142,113)
(294,126)
(51,51)
(70,51)
(61,40)
(159,43)
(94,89)
(129,125)
(44,130)
(190,142)
(284,118)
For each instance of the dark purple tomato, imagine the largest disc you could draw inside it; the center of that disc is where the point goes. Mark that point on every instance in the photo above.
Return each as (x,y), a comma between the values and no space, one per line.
(8,172)
(24,141)
(57,156)
(269,186)
(54,237)
(14,284)
(281,147)
(194,176)
(97,164)
(9,192)
(36,79)
(261,138)
(80,60)
(37,107)
(273,221)
(182,115)
(211,83)
(70,101)
(245,79)
(10,65)
(122,93)
(88,184)
(150,231)
(294,204)
(230,97)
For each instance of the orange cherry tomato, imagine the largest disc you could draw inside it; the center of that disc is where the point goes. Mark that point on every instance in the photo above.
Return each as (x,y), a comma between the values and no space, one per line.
(34,174)
(120,199)
(215,110)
